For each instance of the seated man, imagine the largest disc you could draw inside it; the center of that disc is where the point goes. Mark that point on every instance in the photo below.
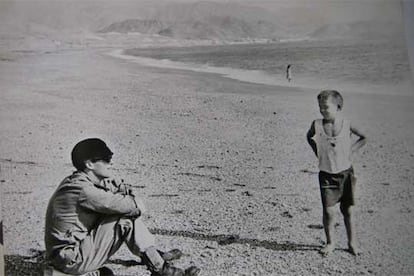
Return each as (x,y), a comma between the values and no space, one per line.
(90,215)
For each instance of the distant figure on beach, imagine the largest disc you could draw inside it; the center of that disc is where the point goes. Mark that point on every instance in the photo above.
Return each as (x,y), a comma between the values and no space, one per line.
(289,72)
(331,141)
(91,214)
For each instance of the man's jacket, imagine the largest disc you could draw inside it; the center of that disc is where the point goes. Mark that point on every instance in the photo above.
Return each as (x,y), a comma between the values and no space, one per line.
(77,206)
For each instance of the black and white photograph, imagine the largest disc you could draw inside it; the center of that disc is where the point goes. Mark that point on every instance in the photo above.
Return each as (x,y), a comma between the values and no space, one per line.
(206,137)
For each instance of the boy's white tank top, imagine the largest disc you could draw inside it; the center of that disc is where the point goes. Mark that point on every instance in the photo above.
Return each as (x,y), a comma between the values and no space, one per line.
(334,153)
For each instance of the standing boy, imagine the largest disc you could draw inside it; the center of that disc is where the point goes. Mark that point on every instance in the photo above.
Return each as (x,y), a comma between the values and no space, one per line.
(91,215)
(331,141)
(1,239)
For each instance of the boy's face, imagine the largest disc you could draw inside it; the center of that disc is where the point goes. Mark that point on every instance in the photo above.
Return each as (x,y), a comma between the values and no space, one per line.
(101,168)
(328,109)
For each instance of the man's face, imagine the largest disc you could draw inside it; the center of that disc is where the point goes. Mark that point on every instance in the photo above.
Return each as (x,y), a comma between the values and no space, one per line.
(101,167)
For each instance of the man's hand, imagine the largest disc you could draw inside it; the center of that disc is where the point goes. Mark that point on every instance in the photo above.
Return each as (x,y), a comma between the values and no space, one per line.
(117,186)
(140,207)
(110,184)
(140,204)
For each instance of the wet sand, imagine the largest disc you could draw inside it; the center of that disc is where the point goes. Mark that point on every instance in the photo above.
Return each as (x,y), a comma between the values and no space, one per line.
(223,165)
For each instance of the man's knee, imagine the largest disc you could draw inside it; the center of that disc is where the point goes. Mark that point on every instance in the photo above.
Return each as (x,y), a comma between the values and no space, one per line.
(125,225)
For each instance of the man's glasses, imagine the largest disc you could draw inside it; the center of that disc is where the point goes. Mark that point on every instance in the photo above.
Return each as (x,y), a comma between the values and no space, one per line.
(105,159)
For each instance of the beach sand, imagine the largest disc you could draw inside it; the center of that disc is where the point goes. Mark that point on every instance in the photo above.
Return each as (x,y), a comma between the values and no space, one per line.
(223,165)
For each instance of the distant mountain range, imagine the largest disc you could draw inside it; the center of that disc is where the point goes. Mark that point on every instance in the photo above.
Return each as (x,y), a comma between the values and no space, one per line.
(361,30)
(218,21)
(213,28)
(206,20)
(225,21)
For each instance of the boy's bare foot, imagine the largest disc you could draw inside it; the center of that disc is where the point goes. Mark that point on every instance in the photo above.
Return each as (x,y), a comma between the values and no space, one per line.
(354,250)
(327,249)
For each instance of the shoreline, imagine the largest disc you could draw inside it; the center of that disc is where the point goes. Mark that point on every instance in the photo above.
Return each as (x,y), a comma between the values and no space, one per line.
(250,76)
(262,77)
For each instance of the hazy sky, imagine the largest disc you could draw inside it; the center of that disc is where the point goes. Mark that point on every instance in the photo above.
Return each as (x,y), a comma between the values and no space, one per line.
(98,12)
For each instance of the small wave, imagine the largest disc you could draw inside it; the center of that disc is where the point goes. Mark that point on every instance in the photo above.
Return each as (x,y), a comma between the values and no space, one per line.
(262,77)
(253,76)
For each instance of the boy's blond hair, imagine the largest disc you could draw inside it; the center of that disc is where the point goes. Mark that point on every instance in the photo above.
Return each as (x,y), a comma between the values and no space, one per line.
(336,97)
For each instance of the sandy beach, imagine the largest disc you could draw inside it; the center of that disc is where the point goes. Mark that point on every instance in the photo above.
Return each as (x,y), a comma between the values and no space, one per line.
(223,165)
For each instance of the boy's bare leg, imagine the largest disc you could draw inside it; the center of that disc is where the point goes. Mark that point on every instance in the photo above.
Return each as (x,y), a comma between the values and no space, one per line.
(346,211)
(328,227)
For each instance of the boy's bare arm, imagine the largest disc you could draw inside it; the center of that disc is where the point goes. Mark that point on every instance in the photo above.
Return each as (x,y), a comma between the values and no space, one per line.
(309,136)
(362,138)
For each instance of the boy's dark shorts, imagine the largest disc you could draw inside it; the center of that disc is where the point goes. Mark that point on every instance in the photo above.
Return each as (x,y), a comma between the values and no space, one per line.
(338,187)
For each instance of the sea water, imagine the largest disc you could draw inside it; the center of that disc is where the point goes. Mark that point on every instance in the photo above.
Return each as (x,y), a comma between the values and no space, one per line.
(362,66)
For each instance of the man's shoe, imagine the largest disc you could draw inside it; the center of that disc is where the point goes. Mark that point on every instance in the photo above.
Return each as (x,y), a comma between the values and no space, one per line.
(168,270)
(171,255)
(104,271)
(192,271)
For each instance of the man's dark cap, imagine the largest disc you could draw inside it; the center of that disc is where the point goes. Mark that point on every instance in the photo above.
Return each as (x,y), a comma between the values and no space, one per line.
(89,149)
